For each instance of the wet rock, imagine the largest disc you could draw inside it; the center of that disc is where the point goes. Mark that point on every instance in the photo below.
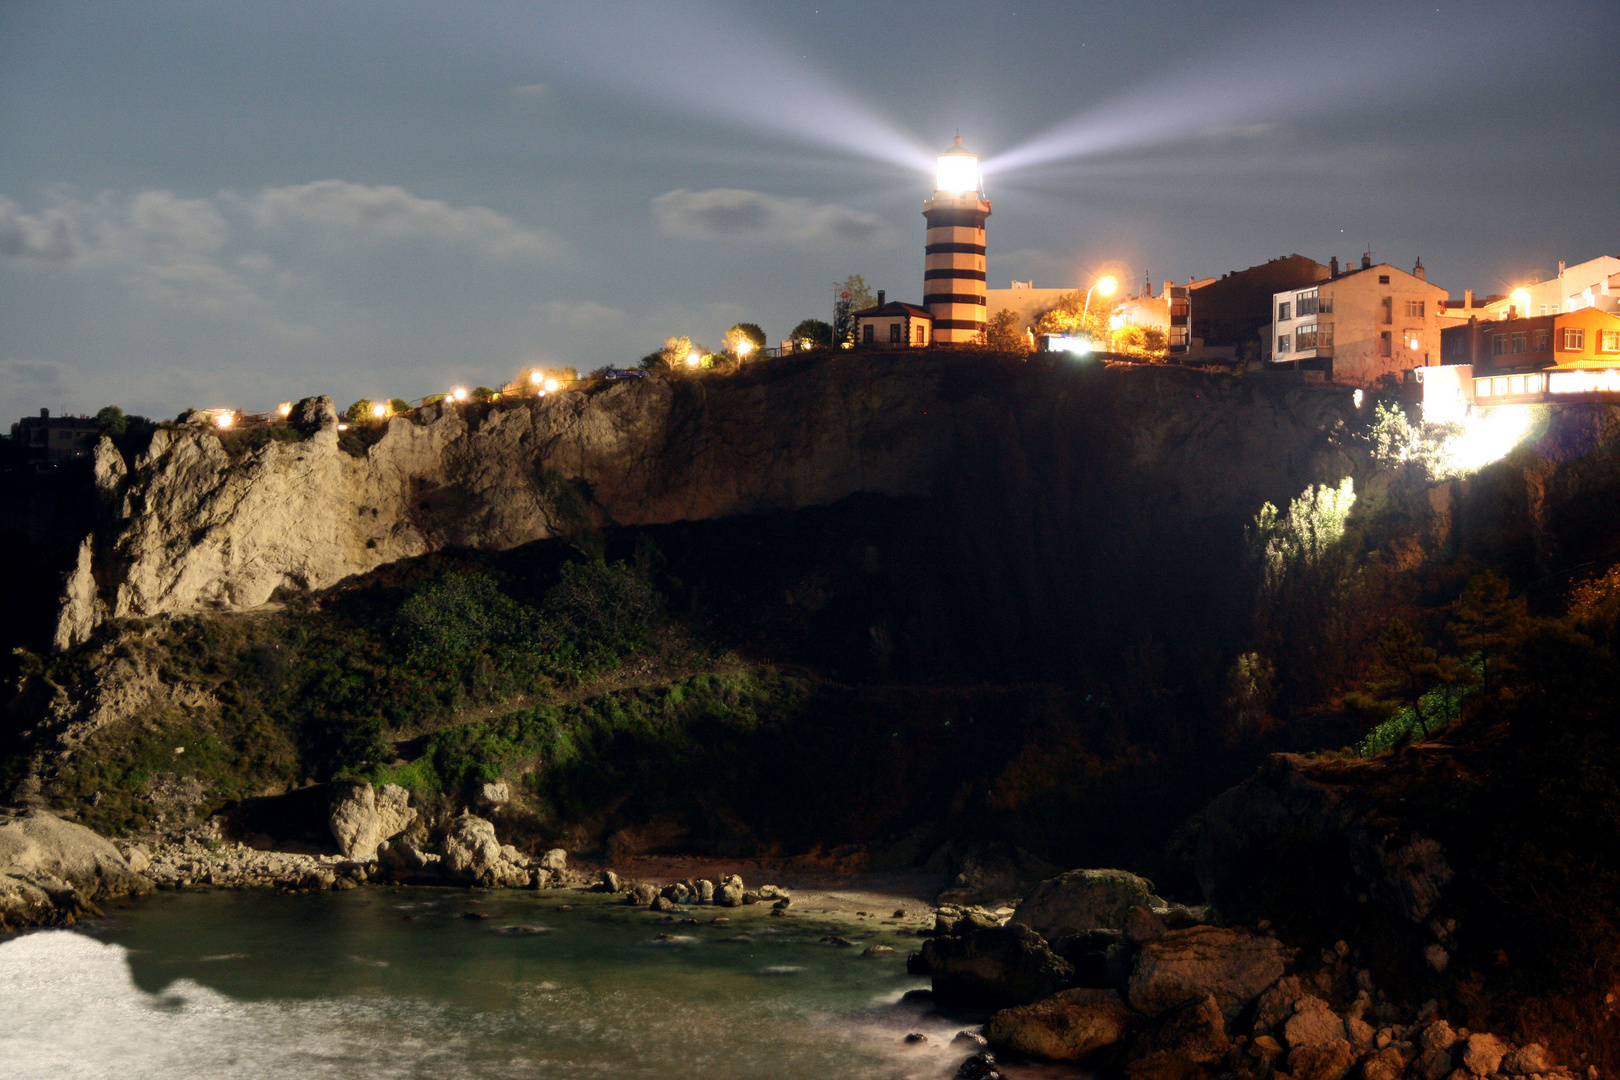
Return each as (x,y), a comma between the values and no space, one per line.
(1082,900)
(664,903)
(915,1038)
(916,965)
(360,817)
(837,942)
(1068,1026)
(981,1066)
(606,881)
(555,860)
(877,950)
(966,1037)
(995,968)
(730,893)
(705,891)
(52,871)
(1232,965)
(952,919)
(1180,1042)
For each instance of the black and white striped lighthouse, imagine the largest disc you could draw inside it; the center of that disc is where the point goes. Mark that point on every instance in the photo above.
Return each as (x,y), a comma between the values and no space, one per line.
(953,273)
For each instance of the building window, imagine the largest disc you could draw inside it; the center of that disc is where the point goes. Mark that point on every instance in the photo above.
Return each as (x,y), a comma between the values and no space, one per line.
(1282,312)
(894,333)
(1574,337)
(1388,304)
(1324,305)
(1499,344)
(1455,347)
(922,336)
(1305,337)
(1324,337)
(1543,341)
(1282,344)
(1179,336)
(868,334)
(1518,341)
(1609,340)
(1305,304)
(1383,279)
(1413,339)
(1414,309)
(1383,343)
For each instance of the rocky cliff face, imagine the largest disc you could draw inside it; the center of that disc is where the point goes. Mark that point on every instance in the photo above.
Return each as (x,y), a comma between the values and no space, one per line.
(192,526)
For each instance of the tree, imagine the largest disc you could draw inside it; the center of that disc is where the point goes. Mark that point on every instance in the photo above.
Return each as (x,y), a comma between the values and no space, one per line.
(852,295)
(399,405)
(744,331)
(359,411)
(812,334)
(1071,315)
(1488,621)
(112,420)
(672,357)
(1149,343)
(1002,332)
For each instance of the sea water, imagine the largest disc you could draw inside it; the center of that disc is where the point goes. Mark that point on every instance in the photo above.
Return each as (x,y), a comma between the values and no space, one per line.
(396,982)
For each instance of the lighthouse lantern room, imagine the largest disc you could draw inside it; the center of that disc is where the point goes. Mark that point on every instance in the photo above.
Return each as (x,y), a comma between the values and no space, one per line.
(954,269)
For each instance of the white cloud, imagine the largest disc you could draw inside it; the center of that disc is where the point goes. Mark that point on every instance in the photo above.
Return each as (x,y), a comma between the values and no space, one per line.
(33,381)
(390,213)
(538,93)
(735,213)
(47,237)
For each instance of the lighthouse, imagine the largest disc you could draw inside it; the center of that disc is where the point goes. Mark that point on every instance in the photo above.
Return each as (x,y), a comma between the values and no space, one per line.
(953,267)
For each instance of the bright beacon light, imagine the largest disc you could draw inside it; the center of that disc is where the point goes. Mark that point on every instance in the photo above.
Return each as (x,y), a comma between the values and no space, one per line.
(957,170)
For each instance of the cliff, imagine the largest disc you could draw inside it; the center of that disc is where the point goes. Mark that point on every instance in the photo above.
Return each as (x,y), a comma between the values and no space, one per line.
(193,525)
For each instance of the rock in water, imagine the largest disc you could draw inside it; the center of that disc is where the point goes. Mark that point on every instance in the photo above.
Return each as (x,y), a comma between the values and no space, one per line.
(52,870)
(1233,966)
(361,817)
(1082,900)
(1068,1026)
(730,892)
(995,968)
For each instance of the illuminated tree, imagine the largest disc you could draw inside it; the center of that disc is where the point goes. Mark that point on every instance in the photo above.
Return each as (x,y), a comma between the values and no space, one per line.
(747,331)
(399,405)
(1070,315)
(812,334)
(1147,343)
(1002,332)
(359,411)
(852,295)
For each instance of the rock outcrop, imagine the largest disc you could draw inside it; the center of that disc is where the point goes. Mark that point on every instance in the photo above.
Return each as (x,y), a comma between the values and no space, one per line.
(52,871)
(472,855)
(1082,900)
(995,968)
(1230,965)
(361,817)
(1068,1026)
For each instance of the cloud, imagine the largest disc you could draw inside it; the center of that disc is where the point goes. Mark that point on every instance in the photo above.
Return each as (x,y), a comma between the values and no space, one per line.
(47,237)
(35,381)
(582,314)
(389,213)
(535,92)
(737,214)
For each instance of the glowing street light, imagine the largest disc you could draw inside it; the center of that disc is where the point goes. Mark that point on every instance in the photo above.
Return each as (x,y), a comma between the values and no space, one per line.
(284,410)
(459,393)
(224,418)
(549,386)
(379,410)
(1521,300)
(536,378)
(744,347)
(694,358)
(1105,285)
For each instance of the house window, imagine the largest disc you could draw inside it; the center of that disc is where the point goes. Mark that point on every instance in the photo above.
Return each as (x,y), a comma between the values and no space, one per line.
(1543,341)
(894,333)
(1455,347)
(1324,337)
(922,336)
(1518,341)
(1516,384)
(1282,344)
(1609,340)
(1414,309)
(1383,279)
(1305,304)
(1383,343)
(1574,337)
(1305,337)
(1413,338)
(1324,305)
(1282,312)
(1499,343)
(1388,304)
(868,335)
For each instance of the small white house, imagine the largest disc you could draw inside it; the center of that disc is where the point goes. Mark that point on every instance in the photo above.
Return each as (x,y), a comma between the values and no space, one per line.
(892,325)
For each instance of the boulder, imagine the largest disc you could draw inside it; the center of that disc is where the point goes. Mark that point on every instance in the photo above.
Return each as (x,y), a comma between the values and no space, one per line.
(52,871)
(1314,1024)
(555,860)
(496,793)
(954,919)
(1386,1064)
(137,856)
(1234,966)
(472,855)
(1527,1059)
(314,414)
(995,968)
(1276,1005)
(1431,1064)
(642,895)
(606,881)
(1143,926)
(361,817)
(1178,1044)
(730,893)
(1067,1026)
(1328,1061)
(705,891)
(1482,1053)
(1082,900)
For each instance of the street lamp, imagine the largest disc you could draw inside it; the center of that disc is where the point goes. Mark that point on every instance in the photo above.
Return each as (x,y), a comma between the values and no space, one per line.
(1105,285)
(459,394)
(694,358)
(1521,299)
(744,347)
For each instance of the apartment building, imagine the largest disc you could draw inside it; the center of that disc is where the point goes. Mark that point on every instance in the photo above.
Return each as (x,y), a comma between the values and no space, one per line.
(1360,325)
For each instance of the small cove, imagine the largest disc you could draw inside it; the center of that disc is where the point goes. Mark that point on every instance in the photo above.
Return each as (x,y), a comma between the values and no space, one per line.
(399,982)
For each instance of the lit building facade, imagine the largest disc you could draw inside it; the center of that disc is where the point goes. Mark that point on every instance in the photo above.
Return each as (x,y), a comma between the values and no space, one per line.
(890,324)
(1562,357)
(1359,325)
(954,284)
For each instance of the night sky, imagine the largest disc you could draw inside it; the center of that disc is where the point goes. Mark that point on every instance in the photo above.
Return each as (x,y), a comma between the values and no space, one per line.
(233,204)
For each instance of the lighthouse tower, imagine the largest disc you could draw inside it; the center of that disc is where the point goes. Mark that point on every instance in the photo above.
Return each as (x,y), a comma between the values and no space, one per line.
(953,274)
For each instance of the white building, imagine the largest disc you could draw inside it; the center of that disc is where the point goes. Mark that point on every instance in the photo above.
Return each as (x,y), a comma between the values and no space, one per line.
(1591,284)
(1359,325)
